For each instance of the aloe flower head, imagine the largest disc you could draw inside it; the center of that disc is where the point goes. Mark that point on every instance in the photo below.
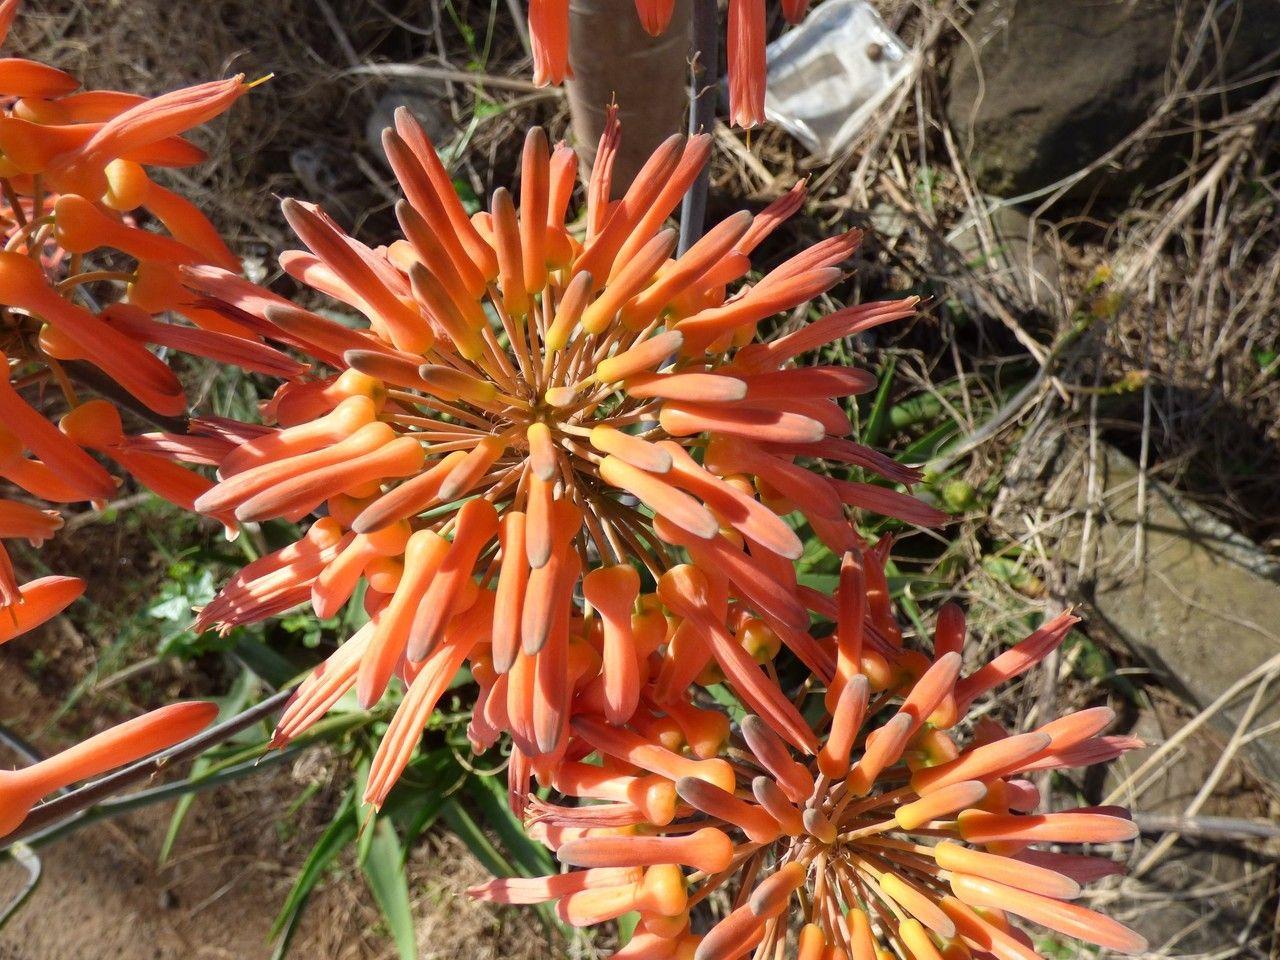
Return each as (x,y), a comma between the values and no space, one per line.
(540,406)
(877,830)
(89,284)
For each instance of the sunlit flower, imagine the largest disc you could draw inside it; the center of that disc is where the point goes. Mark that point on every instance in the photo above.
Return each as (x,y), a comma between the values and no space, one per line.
(891,834)
(26,522)
(746,49)
(531,414)
(22,789)
(87,285)
(37,601)
(552,58)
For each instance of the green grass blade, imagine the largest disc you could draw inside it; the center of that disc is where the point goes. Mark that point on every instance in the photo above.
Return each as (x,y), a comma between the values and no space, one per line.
(491,797)
(180,810)
(469,832)
(873,426)
(384,872)
(228,706)
(366,814)
(337,835)
(415,802)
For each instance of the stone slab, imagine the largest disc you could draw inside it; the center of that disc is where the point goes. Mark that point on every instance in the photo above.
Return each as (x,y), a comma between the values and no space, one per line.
(1195,600)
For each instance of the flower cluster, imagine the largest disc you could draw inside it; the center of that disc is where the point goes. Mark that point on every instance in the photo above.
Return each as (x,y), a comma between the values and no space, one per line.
(881,837)
(565,458)
(549,36)
(565,455)
(618,412)
(83,285)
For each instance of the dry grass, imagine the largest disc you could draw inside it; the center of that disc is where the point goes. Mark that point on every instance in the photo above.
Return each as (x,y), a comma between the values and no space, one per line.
(1150,337)
(304,132)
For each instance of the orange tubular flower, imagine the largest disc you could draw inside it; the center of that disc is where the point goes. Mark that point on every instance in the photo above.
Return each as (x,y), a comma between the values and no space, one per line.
(37,601)
(549,36)
(132,740)
(77,215)
(655,15)
(746,62)
(894,839)
(21,520)
(460,457)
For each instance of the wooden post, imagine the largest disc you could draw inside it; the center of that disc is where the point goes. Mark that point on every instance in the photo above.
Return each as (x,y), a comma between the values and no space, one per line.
(613,58)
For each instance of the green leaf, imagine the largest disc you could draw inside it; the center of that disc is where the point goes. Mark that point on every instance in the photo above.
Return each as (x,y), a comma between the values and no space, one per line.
(627,924)
(930,445)
(337,835)
(470,202)
(180,810)
(873,426)
(384,871)
(1011,571)
(415,802)
(724,696)
(265,662)
(958,496)
(469,832)
(424,815)
(366,813)
(822,582)
(1092,661)
(531,858)
(916,409)
(228,706)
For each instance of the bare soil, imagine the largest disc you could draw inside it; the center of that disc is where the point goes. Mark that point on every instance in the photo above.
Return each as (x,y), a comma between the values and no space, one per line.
(105,896)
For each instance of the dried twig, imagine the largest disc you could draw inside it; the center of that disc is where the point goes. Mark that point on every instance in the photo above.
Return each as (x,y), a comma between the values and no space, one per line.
(418,71)
(1208,828)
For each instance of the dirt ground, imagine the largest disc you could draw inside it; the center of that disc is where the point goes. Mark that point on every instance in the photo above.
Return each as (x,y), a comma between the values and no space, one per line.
(104,896)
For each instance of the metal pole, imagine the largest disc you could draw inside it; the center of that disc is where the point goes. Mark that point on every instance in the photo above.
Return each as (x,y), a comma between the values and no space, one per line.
(704,92)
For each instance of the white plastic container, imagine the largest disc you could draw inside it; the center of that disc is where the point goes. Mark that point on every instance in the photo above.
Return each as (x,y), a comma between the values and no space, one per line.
(829,74)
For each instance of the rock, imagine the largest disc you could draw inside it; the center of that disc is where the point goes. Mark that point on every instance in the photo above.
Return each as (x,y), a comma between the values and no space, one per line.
(1200,604)
(327,176)
(1044,88)
(427,110)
